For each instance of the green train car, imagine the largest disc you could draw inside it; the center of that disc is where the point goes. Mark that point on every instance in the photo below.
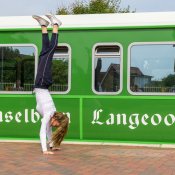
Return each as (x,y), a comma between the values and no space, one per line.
(114,76)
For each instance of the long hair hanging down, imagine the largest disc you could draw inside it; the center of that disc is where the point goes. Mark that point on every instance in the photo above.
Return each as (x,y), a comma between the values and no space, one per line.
(61,130)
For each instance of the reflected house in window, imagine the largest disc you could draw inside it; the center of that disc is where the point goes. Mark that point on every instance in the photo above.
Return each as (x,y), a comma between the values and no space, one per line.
(110,80)
(107,60)
(138,78)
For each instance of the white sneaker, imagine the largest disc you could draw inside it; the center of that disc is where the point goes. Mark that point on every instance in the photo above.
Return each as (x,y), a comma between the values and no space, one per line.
(41,21)
(54,20)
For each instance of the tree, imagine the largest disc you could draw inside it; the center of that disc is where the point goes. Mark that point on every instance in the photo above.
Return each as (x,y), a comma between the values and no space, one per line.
(169,80)
(94,6)
(60,72)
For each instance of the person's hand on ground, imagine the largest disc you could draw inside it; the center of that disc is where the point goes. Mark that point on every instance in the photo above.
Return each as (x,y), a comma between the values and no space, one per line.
(47,152)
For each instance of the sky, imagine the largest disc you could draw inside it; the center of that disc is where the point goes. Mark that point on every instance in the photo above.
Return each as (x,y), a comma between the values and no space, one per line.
(41,7)
(152,59)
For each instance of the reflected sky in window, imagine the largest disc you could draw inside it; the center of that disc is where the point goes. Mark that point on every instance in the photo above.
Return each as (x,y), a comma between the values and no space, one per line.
(25,50)
(156,60)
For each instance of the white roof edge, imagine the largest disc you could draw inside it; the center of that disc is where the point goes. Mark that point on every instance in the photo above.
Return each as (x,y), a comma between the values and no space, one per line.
(95,20)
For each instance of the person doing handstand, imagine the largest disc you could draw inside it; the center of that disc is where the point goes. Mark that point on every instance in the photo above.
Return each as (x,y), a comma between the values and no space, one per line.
(45,105)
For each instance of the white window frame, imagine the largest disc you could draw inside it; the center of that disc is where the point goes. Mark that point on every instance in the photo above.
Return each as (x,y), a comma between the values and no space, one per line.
(105,55)
(35,68)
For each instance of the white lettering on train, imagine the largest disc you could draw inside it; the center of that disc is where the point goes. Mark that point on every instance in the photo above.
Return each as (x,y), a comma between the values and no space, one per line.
(29,115)
(133,120)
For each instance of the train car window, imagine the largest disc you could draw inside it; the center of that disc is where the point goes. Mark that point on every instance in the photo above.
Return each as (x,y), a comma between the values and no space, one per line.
(152,68)
(61,70)
(107,69)
(17,67)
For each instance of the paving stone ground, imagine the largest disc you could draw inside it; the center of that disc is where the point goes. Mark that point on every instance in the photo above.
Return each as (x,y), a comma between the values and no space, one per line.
(27,159)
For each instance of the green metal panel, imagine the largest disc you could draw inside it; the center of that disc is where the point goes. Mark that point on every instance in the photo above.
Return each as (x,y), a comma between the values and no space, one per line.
(81,102)
(19,119)
(146,119)
(71,106)
(16,117)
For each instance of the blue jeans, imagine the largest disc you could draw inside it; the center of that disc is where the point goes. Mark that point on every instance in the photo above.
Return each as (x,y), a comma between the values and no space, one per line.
(44,75)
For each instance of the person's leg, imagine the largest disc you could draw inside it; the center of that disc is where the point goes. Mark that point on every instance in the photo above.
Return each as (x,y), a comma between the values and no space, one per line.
(47,74)
(45,39)
(55,28)
(45,42)
(44,75)
(54,40)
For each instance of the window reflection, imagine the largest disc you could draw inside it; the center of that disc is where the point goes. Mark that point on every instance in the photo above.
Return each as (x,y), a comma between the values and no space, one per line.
(60,69)
(17,68)
(107,68)
(152,68)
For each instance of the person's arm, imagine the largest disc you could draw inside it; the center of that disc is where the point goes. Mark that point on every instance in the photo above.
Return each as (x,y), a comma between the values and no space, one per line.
(43,132)
(49,135)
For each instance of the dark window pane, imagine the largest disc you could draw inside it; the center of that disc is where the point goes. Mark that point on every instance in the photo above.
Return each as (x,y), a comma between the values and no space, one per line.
(17,68)
(61,50)
(112,50)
